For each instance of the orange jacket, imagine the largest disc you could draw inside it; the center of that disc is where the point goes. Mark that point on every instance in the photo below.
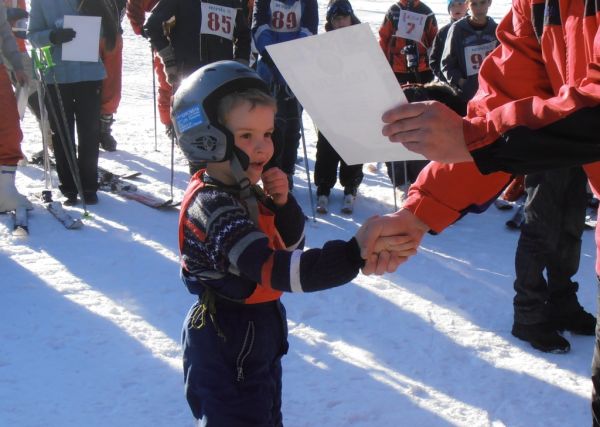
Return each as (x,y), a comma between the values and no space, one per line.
(538,107)
(136,13)
(266,223)
(392,45)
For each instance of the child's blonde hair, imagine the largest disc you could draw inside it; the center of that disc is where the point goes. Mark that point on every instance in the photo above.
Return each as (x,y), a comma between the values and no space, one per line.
(253,96)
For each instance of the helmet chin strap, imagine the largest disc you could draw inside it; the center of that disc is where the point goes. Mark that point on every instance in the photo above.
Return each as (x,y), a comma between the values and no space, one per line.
(246,193)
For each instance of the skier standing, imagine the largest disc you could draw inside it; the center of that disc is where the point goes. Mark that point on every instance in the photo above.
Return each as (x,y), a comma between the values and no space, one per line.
(275,22)
(10,131)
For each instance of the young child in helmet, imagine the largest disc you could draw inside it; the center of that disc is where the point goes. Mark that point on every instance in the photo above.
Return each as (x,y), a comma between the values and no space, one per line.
(241,247)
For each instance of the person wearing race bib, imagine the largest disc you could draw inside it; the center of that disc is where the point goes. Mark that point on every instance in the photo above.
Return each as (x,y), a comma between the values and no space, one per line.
(469,41)
(405,36)
(188,34)
(276,21)
(457,9)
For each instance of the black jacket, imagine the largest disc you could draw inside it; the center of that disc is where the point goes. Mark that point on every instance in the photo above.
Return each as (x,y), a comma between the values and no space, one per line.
(193,49)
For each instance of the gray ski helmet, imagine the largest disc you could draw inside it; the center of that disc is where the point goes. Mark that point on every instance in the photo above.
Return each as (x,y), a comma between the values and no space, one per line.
(195,109)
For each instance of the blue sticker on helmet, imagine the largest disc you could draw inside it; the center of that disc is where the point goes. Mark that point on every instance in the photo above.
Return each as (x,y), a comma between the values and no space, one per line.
(189,118)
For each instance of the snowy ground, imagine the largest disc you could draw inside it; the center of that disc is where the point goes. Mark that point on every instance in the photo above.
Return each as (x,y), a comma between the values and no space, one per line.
(92,317)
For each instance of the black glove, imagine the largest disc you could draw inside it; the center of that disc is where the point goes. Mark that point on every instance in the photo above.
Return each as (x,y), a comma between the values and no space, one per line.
(167,56)
(14,14)
(62,35)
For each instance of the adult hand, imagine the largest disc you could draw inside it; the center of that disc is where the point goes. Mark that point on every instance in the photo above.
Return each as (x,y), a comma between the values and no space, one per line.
(62,35)
(401,223)
(21,77)
(428,128)
(276,186)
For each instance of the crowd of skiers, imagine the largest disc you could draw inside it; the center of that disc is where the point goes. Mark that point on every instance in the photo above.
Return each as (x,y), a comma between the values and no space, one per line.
(188,35)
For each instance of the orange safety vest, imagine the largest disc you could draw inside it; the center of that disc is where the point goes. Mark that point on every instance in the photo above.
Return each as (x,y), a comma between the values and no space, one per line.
(266,223)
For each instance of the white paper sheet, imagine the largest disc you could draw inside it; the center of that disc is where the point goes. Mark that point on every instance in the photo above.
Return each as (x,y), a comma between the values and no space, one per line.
(85,45)
(345,84)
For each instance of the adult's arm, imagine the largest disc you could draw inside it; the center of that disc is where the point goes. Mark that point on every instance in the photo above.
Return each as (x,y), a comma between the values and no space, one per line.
(161,13)
(10,50)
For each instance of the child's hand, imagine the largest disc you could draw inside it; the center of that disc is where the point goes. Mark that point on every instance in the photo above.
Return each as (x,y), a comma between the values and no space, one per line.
(275,184)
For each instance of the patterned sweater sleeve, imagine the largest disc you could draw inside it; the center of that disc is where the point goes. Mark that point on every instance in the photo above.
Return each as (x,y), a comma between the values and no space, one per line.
(220,238)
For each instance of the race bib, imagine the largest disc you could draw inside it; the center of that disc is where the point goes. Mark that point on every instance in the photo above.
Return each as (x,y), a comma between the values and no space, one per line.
(411,25)
(285,18)
(474,56)
(218,20)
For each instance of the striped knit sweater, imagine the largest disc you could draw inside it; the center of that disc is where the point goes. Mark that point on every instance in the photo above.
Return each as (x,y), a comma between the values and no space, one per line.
(223,249)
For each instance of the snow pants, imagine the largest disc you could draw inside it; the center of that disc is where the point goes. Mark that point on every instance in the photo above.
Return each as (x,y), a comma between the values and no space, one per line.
(286,137)
(232,364)
(164,92)
(550,240)
(326,166)
(10,130)
(81,103)
(111,85)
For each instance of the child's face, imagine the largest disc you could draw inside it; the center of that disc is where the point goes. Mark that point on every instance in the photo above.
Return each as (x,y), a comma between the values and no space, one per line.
(458,9)
(341,21)
(479,8)
(252,130)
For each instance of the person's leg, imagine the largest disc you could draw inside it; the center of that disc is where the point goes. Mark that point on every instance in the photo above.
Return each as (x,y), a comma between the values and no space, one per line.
(10,147)
(56,108)
(164,92)
(235,381)
(87,112)
(350,177)
(291,135)
(111,92)
(539,238)
(326,164)
(563,307)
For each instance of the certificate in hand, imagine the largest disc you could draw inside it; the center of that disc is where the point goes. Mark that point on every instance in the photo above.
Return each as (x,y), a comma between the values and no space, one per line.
(345,84)
(85,45)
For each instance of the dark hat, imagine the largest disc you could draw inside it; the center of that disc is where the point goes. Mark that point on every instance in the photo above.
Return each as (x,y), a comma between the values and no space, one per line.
(337,8)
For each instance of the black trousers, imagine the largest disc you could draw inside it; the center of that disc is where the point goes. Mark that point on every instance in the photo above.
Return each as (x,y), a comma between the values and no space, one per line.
(550,241)
(286,136)
(596,370)
(81,105)
(326,166)
(399,176)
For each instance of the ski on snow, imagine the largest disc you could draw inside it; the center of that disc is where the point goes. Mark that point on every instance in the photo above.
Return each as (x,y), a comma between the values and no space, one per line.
(59,212)
(115,183)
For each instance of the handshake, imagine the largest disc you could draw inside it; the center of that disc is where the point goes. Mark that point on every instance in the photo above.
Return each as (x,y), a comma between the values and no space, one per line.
(388,241)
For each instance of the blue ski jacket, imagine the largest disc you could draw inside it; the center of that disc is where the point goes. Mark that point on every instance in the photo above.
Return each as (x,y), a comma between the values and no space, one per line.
(47,15)
(277,21)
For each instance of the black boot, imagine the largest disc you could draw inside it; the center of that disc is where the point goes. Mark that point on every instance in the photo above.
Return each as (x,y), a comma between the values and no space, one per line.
(541,336)
(107,141)
(579,322)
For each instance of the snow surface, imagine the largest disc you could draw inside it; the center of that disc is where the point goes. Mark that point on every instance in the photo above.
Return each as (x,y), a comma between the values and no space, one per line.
(92,317)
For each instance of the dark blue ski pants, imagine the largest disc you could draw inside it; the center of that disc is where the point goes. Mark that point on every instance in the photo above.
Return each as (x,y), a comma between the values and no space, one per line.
(232,365)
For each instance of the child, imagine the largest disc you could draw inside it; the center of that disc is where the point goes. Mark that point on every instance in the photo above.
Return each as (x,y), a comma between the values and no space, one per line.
(469,41)
(277,21)
(457,9)
(240,248)
(339,15)
(406,34)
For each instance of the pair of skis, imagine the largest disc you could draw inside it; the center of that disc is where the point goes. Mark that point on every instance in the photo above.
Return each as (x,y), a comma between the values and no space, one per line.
(119,184)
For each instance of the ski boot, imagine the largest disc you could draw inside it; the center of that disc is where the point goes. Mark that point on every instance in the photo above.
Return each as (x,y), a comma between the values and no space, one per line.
(107,141)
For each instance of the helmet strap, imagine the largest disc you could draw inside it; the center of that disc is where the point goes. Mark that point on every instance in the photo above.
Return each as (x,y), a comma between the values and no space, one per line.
(246,193)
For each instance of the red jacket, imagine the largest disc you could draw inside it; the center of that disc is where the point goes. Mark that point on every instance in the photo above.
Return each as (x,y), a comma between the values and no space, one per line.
(392,45)
(538,107)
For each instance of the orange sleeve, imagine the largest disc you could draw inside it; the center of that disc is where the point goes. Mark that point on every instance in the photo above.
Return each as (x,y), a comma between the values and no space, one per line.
(443,193)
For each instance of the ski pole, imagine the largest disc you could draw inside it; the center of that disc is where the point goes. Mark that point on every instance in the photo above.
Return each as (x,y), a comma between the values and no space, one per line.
(310,194)
(154,99)
(44,60)
(41,95)
(394,185)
